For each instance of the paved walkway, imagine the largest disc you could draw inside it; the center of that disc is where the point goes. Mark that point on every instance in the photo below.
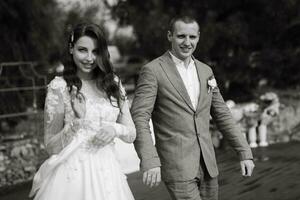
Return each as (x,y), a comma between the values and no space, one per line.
(276,177)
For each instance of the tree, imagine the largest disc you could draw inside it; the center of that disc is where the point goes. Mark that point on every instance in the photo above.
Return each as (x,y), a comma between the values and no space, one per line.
(231,33)
(28,29)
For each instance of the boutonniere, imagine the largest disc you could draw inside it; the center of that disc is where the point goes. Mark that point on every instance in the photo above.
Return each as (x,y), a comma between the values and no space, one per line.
(212,83)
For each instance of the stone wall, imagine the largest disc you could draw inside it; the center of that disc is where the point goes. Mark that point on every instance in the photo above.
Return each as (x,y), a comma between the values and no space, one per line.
(21,151)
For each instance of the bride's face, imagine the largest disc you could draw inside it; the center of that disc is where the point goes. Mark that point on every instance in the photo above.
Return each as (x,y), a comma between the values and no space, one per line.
(85,53)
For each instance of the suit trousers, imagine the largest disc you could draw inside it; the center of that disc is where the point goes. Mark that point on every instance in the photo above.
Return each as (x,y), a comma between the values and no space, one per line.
(202,187)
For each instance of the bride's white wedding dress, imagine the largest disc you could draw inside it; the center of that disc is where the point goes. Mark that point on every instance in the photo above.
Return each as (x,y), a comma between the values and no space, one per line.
(77,168)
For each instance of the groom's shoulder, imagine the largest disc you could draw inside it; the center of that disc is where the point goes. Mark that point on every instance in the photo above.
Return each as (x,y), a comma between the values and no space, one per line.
(203,65)
(154,63)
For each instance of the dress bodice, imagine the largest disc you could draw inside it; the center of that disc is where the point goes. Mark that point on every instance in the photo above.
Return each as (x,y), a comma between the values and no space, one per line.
(98,106)
(59,114)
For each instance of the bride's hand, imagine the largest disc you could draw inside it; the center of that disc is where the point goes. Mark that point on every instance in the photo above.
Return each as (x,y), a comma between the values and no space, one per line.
(105,135)
(78,102)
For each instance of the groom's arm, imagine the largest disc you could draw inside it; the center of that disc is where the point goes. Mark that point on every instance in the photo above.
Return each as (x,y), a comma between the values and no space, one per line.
(227,125)
(141,110)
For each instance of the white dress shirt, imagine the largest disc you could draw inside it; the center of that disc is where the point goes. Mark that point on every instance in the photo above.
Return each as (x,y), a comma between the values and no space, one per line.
(189,77)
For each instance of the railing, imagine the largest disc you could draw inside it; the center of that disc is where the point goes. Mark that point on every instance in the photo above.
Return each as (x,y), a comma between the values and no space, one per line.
(20,85)
(22,94)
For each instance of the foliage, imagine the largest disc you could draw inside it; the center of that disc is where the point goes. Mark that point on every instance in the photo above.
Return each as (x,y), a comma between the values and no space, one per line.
(36,30)
(242,40)
(28,30)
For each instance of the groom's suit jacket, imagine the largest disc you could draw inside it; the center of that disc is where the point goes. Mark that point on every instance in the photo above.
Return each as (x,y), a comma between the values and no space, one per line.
(181,131)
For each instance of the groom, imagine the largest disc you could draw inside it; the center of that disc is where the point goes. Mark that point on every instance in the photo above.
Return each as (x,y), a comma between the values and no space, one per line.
(180,94)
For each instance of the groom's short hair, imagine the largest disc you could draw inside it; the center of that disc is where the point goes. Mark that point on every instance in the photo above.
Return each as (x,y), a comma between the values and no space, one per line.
(185,18)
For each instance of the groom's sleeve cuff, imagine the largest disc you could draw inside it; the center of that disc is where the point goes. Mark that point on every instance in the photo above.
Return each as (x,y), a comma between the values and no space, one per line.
(150,163)
(246,155)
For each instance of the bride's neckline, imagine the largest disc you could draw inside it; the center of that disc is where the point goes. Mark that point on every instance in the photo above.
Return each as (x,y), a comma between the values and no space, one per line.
(85,76)
(90,85)
(88,80)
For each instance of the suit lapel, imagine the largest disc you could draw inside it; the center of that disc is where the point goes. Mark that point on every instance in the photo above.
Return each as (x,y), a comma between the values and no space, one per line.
(174,77)
(202,84)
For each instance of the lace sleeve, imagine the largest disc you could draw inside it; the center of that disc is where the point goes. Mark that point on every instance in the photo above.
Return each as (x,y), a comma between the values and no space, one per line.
(56,134)
(124,127)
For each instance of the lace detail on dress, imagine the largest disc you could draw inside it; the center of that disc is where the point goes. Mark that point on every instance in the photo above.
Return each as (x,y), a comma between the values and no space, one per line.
(58,132)
(78,162)
(55,88)
(59,115)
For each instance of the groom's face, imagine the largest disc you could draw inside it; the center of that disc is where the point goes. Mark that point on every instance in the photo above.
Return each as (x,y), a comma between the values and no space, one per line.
(184,39)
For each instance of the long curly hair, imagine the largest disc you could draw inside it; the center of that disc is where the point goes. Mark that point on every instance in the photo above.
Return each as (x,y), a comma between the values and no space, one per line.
(105,77)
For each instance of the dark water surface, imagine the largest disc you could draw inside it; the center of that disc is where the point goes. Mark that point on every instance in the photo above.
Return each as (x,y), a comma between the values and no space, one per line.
(276,177)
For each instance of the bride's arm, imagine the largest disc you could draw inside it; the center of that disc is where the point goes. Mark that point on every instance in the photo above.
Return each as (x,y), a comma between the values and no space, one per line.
(125,127)
(57,133)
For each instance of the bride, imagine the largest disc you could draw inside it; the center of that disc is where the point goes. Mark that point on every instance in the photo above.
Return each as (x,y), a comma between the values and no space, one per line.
(85,110)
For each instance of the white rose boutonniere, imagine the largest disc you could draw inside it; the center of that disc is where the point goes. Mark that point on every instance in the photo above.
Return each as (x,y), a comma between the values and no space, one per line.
(212,84)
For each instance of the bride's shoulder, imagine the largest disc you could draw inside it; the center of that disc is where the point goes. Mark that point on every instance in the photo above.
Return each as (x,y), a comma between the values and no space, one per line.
(58,83)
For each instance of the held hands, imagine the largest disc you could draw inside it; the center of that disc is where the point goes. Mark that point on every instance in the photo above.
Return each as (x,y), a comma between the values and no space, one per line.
(152,177)
(247,167)
(78,102)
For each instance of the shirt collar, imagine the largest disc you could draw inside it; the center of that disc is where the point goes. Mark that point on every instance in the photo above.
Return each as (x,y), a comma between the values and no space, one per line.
(179,62)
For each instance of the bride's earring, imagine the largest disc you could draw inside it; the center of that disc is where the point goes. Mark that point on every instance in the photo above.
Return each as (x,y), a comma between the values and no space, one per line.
(71,49)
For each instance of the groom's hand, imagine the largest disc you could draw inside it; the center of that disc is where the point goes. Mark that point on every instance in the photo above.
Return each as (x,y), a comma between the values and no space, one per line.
(152,177)
(247,167)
